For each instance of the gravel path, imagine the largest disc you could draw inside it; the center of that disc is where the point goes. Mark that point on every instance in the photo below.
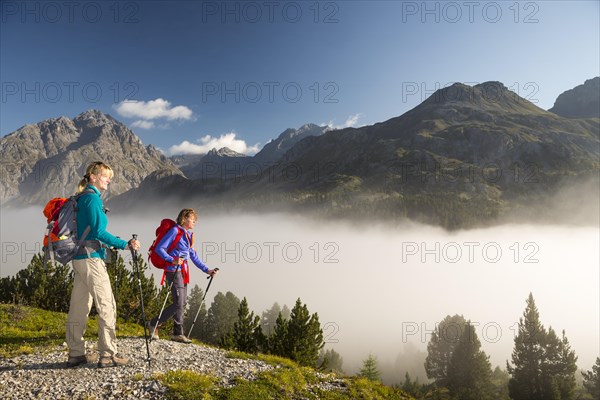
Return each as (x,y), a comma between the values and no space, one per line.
(45,376)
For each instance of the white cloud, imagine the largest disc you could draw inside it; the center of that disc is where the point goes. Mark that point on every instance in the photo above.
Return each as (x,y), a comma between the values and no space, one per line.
(208,142)
(351,122)
(143,124)
(153,109)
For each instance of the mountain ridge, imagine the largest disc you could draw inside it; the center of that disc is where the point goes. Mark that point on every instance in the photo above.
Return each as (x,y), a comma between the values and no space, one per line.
(453,161)
(464,155)
(229,164)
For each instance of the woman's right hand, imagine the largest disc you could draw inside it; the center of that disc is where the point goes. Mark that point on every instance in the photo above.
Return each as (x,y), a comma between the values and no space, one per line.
(177,261)
(133,244)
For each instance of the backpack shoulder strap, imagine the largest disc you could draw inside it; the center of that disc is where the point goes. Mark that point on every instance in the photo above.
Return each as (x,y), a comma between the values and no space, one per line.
(86,231)
(84,192)
(176,240)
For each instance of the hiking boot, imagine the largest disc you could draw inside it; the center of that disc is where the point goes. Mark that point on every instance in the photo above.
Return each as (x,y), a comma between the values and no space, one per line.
(180,339)
(74,361)
(116,360)
(153,335)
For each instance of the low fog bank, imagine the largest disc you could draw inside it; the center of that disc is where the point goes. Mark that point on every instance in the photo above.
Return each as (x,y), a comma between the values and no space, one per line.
(380,289)
(574,202)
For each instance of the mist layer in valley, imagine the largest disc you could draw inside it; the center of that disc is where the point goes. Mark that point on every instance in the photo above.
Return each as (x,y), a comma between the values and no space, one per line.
(380,289)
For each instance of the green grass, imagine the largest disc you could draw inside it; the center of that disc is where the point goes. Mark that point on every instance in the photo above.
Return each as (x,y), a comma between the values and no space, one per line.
(268,358)
(188,385)
(281,383)
(24,330)
(287,380)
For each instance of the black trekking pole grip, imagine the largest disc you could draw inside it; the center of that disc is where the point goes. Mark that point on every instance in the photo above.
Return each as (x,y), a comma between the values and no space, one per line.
(133,251)
(209,277)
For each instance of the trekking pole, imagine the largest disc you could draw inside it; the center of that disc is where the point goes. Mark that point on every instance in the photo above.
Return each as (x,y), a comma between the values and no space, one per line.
(164,303)
(134,254)
(202,301)
(115,258)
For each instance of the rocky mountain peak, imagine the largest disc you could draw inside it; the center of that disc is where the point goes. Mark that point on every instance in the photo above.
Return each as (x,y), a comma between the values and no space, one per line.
(96,125)
(46,159)
(275,149)
(489,96)
(461,93)
(95,116)
(583,101)
(227,152)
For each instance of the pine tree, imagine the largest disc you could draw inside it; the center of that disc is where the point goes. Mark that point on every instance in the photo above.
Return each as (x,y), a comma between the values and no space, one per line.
(226,341)
(591,380)
(286,312)
(276,341)
(7,292)
(500,380)
(469,371)
(127,290)
(269,317)
(544,365)
(304,336)
(245,330)
(330,361)
(558,367)
(440,348)
(49,289)
(369,369)
(195,303)
(411,387)
(222,314)
(300,338)
(526,381)
(566,376)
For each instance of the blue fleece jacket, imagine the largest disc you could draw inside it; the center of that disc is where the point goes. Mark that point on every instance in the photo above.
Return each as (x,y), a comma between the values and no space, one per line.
(91,213)
(183,249)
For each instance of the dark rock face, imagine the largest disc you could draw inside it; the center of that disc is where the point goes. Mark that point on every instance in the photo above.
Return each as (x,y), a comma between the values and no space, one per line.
(582,101)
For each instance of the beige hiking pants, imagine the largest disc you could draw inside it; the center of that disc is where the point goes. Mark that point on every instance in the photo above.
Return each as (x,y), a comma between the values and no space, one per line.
(91,285)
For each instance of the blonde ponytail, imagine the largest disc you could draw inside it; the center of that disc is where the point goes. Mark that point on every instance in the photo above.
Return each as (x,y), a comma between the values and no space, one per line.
(95,168)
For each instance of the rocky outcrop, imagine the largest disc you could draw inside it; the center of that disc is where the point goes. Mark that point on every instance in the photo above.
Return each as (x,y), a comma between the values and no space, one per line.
(582,101)
(49,158)
(216,164)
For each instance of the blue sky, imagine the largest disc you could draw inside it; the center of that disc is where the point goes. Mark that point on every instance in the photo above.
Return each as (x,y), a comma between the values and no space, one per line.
(192,75)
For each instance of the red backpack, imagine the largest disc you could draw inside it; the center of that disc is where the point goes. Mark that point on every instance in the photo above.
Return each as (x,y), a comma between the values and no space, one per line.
(163,228)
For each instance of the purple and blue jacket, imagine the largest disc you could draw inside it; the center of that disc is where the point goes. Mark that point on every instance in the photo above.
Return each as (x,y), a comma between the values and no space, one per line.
(183,249)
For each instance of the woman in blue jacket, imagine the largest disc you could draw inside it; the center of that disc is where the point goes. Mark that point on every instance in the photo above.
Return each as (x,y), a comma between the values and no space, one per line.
(91,284)
(178,272)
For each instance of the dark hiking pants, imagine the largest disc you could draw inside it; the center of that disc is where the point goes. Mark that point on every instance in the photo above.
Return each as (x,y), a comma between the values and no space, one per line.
(177,307)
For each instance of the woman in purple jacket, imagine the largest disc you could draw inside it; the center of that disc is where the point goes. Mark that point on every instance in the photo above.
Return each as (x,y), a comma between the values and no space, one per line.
(178,271)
